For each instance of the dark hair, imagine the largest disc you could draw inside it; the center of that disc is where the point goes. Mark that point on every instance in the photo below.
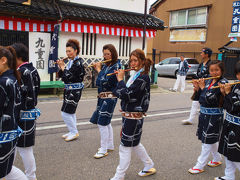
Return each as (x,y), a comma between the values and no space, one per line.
(207,51)
(146,62)
(217,62)
(237,68)
(21,51)
(182,55)
(74,44)
(113,51)
(10,54)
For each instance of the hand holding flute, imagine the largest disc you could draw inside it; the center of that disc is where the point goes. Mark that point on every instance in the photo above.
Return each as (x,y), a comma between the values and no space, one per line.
(60,63)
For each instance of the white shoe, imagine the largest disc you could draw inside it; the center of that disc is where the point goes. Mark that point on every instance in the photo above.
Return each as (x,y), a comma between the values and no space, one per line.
(173,90)
(100,154)
(71,137)
(186,122)
(115,178)
(65,135)
(148,172)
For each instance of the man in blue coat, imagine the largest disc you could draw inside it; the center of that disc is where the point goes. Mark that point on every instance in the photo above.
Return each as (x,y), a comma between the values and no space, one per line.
(181,74)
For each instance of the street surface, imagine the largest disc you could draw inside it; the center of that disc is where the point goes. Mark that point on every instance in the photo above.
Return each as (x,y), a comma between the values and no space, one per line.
(173,147)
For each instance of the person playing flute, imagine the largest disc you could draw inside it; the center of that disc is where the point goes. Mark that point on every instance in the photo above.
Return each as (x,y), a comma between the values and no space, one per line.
(106,100)
(135,97)
(229,144)
(72,75)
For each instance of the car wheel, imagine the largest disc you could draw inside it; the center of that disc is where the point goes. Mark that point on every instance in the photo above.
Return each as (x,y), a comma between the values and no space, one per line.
(175,75)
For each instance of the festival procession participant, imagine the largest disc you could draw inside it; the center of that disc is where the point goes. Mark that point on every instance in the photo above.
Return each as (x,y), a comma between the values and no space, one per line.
(106,100)
(135,97)
(9,114)
(30,86)
(202,72)
(183,68)
(211,116)
(230,137)
(72,74)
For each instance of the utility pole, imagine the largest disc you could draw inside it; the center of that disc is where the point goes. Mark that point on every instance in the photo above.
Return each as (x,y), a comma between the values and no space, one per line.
(144,28)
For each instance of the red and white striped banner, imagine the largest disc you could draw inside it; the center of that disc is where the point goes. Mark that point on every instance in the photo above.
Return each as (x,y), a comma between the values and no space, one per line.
(18,24)
(83,27)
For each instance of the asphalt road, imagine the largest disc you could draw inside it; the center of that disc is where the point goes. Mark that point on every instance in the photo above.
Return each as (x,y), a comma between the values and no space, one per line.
(173,147)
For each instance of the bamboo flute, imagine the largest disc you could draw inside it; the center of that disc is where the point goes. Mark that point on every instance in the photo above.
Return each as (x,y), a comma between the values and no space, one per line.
(215,87)
(205,79)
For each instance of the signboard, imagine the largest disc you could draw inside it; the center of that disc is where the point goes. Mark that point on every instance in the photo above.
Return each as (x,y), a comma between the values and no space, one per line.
(198,35)
(39,45)
(235,27)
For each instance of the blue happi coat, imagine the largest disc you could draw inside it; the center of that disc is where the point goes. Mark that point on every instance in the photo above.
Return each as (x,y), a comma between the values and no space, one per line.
(105,107)
(134,98)
(73,73)
(184,69)
(30,86)
(211,114)
(229,144)
(10,101)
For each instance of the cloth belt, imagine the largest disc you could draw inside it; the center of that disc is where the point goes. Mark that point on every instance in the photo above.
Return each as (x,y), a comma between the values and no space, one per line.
(233,119)
(29,115)
(74,86)
(9,136)
(133,115)
(211,111)
(105,95)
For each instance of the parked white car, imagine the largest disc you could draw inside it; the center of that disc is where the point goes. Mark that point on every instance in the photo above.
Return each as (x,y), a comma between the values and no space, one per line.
(169,66)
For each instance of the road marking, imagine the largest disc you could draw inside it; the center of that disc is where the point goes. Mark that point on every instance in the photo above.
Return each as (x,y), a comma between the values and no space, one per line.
(113,120)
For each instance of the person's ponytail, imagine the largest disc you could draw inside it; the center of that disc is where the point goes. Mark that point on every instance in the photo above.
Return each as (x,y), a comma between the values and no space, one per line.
(147,65)
(12,63)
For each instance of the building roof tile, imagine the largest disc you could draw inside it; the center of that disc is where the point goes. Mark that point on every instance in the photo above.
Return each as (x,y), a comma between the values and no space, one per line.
(45,9)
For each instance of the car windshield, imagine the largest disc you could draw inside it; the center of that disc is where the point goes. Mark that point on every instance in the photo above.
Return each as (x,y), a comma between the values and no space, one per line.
(165,61)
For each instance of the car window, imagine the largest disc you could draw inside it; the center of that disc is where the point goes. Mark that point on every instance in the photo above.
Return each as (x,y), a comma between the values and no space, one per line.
(174,61)
(192,61)
(165,61)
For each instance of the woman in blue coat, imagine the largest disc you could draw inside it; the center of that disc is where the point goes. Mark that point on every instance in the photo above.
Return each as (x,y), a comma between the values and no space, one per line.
(10,101)
(106,100)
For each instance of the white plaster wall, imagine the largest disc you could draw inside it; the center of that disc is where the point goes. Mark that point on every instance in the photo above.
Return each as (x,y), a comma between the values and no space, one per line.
(101,41)
(63,38)
(125,5)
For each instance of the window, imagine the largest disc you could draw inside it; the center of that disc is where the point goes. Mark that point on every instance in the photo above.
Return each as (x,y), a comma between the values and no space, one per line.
(89,44)
(174,61)
(125,45)
(188,17)
(165,61)
(192,61)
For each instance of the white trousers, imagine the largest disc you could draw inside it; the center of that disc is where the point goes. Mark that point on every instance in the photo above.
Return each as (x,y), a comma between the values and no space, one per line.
(180,79)
(194,111)
(106,134)
(29,163)
(15,174)
(230,169)
(71,122)
(125,158)
(206,150)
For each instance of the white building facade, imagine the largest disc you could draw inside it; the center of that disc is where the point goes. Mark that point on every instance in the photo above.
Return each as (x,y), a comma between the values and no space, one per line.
(93,23)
